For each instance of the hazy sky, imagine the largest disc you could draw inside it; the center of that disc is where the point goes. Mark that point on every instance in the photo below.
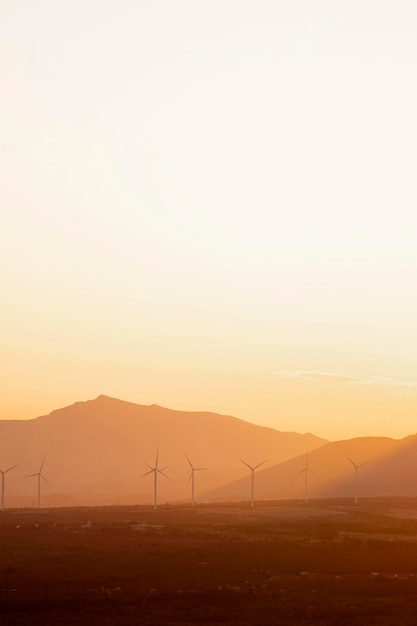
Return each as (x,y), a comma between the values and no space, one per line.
(211,205)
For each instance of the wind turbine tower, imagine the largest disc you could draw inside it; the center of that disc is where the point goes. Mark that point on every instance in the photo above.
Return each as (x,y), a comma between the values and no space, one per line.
(3,472)
(193,469)
(252,469)
(306,471)
(356,466)
(156,470)
(39,475)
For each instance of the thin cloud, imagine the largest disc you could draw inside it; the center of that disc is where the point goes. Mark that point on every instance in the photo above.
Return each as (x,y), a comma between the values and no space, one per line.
(315,376)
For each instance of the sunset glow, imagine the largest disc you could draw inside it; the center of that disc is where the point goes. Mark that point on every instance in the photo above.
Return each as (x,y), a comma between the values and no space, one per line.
(211,206)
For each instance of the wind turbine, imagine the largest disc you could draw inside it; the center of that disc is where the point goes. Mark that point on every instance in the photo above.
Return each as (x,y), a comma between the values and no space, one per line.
(3,472)
(155,470)
(193,469)
(356,466)
(305,471)
(39,475)
(252,469)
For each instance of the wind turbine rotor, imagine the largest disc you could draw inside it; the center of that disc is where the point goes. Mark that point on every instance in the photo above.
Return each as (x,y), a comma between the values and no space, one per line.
(155,471)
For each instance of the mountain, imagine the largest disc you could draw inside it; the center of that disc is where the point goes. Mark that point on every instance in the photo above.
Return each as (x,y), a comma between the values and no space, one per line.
(386,467)
(96,452)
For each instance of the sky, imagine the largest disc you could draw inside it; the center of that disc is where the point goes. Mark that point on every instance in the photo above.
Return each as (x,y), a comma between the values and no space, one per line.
(211,206)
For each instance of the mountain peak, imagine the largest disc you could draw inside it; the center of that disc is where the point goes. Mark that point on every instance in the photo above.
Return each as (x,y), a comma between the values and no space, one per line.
(103,397)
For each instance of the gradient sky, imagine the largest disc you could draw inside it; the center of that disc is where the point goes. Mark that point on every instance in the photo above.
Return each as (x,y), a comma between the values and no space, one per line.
(211,206)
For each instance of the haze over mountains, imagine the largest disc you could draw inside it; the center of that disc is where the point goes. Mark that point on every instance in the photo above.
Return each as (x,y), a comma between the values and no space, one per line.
(96,453)
(386,467)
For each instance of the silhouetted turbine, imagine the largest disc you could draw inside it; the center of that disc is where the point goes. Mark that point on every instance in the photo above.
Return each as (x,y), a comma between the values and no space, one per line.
(356,466)
(155,470)
(252,469)
(305,471)
(3,472)
(39,475)
(193,469)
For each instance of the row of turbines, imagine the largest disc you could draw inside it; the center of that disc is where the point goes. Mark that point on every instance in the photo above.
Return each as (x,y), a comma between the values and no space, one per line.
(155,470)
(307,470)
(161,470)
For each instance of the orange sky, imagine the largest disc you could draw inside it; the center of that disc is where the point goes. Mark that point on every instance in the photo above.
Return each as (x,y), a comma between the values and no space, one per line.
(211,206)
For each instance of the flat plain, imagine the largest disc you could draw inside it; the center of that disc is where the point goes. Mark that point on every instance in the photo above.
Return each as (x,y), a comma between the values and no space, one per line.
(327,562)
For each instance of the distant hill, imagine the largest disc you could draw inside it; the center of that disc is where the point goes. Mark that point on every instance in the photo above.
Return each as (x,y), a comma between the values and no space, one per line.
(386,467)
(96,452)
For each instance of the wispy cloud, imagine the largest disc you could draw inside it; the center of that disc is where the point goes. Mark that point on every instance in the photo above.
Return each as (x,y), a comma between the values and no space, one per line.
(315,376)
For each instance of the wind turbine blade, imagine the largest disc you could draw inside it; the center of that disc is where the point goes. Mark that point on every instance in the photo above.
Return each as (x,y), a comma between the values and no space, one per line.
(198,469)
(43,477)
(163,474)
(31,475)
(189,478)
(365,463)
(247,464)
(162,468)
(10,468)
(259,464)
(311,472)
(146,473)
(157,456)
(302,472)
(191,465)
(40,471)
(151,468)
(354,464)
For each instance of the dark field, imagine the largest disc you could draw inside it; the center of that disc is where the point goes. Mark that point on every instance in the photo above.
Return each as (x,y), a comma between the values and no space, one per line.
(282,563)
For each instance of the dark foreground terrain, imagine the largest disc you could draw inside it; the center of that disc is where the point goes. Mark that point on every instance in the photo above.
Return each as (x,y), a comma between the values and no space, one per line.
(324,563)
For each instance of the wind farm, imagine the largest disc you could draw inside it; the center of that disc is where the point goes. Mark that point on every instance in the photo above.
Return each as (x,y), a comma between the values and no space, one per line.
(122,435)
(141,560)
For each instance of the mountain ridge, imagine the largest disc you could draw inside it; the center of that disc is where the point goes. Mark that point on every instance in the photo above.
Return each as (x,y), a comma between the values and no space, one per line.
(385,467)
(96,449)
(98,452)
